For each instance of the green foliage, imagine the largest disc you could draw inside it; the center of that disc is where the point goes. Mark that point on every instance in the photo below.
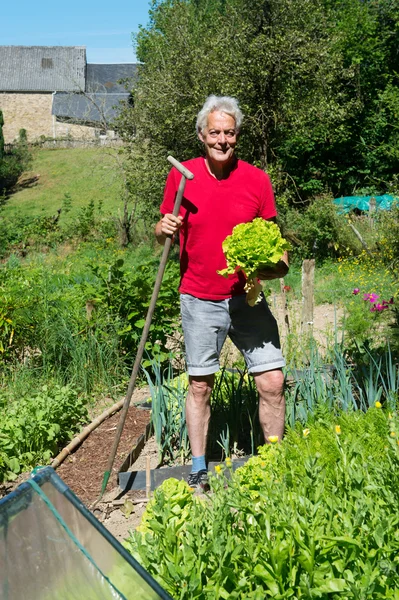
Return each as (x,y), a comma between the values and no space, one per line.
(317,83)
(13,163)
(252,247)
(387,234)
(125,295)
(273,56)
(313,517)
(234,424)
(80,322)
(340,383)
(171,491)
(35,426)
(317,231)
(12,166)
(368,319)
(168,406)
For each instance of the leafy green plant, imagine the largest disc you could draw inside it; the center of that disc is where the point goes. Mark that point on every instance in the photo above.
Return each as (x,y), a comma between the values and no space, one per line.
(368,317)
(168,402)
(334,384)
(312,517)
(250,248)
(34,427)
(126,294)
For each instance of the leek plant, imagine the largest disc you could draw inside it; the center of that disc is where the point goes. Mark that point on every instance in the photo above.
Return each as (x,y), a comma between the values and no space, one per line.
(340,385)
(168,414)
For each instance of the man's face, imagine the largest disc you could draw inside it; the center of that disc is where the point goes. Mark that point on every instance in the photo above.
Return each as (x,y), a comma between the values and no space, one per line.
(219,137)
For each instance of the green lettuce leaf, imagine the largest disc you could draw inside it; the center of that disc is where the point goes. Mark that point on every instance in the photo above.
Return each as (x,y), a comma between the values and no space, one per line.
(253,247)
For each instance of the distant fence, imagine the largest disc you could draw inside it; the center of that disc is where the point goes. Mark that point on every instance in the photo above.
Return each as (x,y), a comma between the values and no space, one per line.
(68,143)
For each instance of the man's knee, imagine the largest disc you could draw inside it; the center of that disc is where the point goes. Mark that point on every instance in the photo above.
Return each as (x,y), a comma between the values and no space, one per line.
(200,387)
(270,385)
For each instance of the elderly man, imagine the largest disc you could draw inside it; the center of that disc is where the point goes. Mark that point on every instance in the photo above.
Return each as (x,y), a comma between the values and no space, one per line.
(225,191)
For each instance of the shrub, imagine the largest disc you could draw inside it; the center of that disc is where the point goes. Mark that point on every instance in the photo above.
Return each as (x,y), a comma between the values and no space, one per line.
(318,231)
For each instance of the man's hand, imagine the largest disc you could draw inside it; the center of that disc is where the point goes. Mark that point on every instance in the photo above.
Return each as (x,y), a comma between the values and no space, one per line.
(167,227)
(280,270)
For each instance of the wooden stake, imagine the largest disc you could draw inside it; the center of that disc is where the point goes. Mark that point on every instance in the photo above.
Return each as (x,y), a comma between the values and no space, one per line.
(285,307)
(148,478)
(307,295)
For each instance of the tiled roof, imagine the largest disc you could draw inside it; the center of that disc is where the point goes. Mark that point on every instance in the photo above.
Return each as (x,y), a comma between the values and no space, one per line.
(104,78)
(91,108)
(42,68)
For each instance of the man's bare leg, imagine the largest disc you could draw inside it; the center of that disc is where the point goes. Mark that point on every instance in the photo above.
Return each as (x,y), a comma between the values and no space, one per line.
(198,412)
(270,386)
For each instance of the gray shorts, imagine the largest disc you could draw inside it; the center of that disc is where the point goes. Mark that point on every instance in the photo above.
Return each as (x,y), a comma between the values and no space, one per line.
(207,323)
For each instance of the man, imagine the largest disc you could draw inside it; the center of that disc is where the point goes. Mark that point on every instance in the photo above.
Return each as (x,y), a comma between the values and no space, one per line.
(225,191)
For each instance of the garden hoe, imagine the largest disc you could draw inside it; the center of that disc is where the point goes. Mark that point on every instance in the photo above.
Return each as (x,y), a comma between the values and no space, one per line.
(186,174)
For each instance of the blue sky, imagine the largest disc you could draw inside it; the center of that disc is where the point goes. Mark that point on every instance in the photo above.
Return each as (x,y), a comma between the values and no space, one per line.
(105,28)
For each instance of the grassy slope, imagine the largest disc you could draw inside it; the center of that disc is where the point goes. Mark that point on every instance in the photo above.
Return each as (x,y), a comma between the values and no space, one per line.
(84,173)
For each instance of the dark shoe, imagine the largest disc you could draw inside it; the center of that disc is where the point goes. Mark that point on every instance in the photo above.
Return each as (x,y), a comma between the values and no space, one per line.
(199,481)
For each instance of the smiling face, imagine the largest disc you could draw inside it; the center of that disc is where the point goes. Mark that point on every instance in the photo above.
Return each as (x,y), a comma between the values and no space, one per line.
(220,138)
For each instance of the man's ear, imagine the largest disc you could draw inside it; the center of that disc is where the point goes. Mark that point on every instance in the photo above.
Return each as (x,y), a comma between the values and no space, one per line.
(201,137)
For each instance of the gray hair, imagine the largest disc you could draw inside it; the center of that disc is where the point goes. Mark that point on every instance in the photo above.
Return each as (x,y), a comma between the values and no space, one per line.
(225,104)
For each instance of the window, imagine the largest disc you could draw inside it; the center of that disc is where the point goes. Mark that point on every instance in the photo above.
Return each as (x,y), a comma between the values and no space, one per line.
(47,63)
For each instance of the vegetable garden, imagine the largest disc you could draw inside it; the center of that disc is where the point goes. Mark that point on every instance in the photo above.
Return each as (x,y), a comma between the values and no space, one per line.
(312,517)
(315,516)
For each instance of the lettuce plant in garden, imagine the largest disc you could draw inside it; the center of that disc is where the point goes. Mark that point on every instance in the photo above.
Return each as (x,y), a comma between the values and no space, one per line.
(251,248)
(313,517)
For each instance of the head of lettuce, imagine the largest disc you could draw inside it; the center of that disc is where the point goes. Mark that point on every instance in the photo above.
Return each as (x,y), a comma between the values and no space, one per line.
(252,248)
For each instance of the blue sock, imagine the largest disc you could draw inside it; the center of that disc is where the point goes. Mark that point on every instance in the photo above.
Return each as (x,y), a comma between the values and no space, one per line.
(198,463)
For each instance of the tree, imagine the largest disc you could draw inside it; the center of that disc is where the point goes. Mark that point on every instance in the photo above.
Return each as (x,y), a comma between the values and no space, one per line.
(274,55)
(304,72)
(12,164)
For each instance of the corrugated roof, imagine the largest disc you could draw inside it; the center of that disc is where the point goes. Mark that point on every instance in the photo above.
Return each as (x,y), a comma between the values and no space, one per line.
(42,68)
(104,78)
(93,108)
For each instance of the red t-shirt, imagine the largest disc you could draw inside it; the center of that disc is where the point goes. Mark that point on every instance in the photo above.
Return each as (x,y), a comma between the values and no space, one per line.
(210,209)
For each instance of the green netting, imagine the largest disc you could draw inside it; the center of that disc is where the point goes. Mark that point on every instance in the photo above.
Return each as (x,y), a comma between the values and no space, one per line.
(362,203)
(53,548)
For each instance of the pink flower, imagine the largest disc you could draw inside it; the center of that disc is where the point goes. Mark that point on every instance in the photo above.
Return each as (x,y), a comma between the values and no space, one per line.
(356,291)
(378,307)
(370,297)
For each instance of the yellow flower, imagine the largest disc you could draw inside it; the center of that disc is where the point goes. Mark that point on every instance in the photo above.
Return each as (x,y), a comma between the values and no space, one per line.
(273,439)
(393,434)
(228,462)
(378,404)
(389,416)
(306,432)
(218,469)
(338,429)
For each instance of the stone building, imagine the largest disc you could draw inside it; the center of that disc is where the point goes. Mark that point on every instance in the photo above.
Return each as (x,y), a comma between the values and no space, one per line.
(51,91)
